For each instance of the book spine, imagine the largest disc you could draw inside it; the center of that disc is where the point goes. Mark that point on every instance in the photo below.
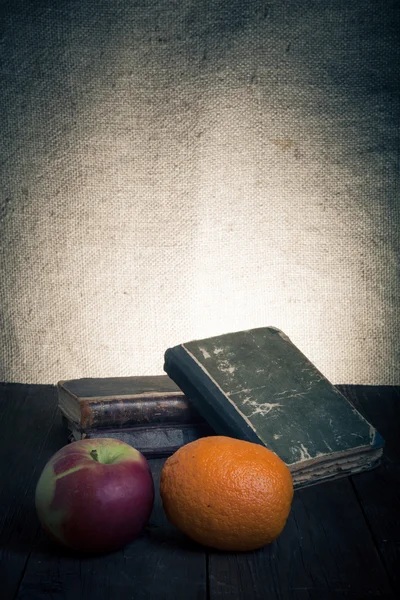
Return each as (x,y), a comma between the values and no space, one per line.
(127,412)
(152,441)
(206,396)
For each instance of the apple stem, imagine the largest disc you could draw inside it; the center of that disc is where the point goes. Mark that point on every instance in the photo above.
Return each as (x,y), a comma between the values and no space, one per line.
(94,455)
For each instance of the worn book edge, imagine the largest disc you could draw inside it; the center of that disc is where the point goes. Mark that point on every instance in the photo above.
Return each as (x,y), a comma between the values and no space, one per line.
(81,409)
(345,469)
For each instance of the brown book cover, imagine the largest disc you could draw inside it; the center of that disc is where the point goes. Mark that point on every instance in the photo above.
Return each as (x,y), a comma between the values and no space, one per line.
(123,402)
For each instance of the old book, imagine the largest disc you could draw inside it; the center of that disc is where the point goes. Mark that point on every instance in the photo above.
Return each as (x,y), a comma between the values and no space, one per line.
(93,403)
(258,386)
(154,441)
(151,413)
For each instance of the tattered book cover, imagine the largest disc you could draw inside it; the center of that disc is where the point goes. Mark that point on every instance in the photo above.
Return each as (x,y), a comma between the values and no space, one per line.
(258,386)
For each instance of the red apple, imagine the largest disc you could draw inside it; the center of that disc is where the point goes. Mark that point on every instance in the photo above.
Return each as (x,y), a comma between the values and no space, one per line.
(95,495)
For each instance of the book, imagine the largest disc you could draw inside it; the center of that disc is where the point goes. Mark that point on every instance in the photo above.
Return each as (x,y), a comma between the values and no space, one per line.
(153,441)
(92,403)
(256,385)
(150,413)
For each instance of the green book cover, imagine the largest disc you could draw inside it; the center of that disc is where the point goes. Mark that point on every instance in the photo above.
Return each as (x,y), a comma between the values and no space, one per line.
(258,386)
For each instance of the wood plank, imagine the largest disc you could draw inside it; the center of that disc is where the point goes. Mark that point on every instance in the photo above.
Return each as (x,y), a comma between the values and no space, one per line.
(326,551)
(378,491)
(162,563)
(27,414)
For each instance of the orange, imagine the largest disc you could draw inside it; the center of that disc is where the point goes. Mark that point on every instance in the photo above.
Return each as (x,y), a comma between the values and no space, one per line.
(227,493)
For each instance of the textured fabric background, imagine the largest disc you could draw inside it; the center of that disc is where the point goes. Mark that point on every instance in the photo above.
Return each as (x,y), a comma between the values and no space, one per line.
(172,170)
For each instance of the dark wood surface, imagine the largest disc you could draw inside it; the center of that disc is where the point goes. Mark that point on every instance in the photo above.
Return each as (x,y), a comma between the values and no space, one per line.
(342,539)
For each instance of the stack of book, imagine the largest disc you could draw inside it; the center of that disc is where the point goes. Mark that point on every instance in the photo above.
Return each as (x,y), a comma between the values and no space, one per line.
(254,385)
(150,413)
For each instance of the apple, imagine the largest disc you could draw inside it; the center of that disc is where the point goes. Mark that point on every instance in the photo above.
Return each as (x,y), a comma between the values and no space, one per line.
(95,495)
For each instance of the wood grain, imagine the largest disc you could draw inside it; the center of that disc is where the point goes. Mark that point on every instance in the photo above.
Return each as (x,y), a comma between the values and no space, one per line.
(28,437)
(325,551)
(378,491)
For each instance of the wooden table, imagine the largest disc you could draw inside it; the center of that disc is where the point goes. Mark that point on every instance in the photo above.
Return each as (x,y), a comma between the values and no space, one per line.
(342,539)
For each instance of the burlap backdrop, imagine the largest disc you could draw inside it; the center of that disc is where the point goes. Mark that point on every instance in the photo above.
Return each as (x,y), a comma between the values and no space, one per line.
(174,170)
